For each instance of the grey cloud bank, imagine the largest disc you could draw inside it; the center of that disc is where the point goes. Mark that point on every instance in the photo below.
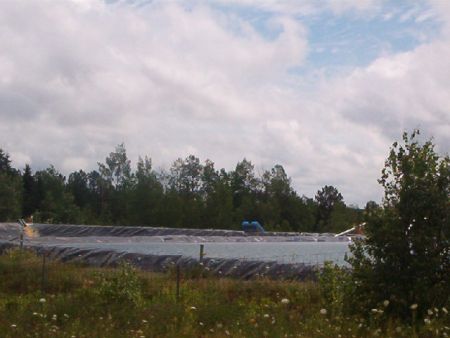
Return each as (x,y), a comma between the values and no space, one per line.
(79,77)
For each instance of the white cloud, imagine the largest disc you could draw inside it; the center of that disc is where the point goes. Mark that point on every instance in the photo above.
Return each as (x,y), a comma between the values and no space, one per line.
(340,6)
(77,78)
(306,7)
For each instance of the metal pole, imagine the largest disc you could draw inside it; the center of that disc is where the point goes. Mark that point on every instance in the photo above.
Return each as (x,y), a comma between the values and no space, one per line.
(202,253)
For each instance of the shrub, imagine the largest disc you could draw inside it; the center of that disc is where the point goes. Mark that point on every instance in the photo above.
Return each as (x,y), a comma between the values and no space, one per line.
(123,288)
(405,256)
(334,285)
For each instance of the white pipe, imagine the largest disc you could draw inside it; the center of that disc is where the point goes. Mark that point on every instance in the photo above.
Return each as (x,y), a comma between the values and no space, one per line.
(350,230)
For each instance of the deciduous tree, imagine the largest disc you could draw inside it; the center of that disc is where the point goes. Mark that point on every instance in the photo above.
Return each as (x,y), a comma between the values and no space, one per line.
(405,258)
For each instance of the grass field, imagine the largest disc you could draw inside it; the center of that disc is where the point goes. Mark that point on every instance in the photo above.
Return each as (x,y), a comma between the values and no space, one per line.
(78,301)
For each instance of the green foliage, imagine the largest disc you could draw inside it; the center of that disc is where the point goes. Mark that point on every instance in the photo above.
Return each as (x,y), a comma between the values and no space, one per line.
(56,205)
(328,200)
(406,255)
(191,195)
(10,190)
(117,169)
(122,288)
(84,302)
(10,197)
(334,284)
(343,217)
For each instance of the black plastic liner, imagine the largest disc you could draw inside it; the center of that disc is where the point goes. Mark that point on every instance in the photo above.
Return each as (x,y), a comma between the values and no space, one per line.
(234,268)
(67,230)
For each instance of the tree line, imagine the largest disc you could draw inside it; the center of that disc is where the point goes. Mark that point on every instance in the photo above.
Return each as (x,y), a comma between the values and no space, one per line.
(190,194)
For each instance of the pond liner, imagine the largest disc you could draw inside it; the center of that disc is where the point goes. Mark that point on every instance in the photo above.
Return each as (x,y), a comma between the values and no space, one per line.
(68,230)
(10,231)
(234,268)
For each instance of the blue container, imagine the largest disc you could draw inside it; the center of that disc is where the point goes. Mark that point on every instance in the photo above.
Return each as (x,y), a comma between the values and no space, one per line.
(253,227)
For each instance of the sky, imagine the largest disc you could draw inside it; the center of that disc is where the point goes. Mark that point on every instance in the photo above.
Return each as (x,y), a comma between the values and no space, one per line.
(322,87)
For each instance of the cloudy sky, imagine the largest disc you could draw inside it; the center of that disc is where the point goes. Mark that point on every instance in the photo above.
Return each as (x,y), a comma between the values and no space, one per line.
(320,87)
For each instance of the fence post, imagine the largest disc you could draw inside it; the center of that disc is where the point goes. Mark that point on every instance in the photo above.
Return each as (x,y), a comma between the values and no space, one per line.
(202,253)
(43,274)
(21,240)
(22,230)
(178,283)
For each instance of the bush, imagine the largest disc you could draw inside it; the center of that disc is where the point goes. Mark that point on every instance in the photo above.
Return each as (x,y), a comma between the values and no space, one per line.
(334,286)
(123,288)
(405,257)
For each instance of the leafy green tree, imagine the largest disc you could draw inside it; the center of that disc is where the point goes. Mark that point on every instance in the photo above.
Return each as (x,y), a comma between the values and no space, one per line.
(85,198)
(243,179)
(146,196)
(219,200)
(100,190)
(117,167)
(276,198)
(244,186)
(117,183)
(405,258)
(10,190)
(186,176)
(209,178)
(327,198)
(343,217)
(185,180)
(5,164)
(305,214)
(56,204)
(29,202)
(77,185)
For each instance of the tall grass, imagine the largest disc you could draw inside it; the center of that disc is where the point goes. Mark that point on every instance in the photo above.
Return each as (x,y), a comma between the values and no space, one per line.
(79,301)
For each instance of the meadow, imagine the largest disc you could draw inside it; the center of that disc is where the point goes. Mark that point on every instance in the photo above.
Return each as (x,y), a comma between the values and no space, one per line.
(72,300)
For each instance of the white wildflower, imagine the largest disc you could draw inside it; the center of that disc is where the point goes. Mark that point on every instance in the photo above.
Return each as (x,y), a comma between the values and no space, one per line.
(413,306)
(323,311)
(285,301)
(42,300)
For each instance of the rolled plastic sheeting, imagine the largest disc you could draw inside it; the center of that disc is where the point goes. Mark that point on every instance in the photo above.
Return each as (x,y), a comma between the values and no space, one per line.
(234,268)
